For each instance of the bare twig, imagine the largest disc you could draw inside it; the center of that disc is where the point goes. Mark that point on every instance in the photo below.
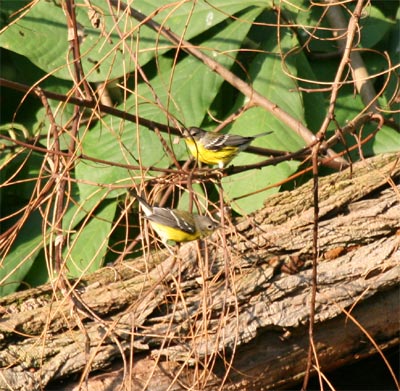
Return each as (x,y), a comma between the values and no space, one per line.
(246,89)
(351,31)
(359,71)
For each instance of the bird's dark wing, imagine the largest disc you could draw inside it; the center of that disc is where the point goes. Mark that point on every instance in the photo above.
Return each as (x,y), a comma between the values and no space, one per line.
(171,218)
(227,140)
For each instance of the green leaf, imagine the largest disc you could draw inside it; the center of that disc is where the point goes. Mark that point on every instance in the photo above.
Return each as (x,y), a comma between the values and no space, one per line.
(254,186)
(42,36)
(20,171)
(118,141)
(38,273)
(18,261)
(186,199)
(312,24)
(374,26)
(191,74)
(131,146)
(315,105)
(269,78)
(386,140)
(87,247)
(348,106)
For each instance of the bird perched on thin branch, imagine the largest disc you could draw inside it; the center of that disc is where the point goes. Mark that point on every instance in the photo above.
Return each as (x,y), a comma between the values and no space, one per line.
(213,148)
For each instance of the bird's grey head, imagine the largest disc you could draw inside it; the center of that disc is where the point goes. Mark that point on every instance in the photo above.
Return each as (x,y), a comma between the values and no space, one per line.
(206,224)
(193,132)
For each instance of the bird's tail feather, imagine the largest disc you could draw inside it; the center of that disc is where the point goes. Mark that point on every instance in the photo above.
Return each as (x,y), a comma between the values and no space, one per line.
(147,208)
(262,134)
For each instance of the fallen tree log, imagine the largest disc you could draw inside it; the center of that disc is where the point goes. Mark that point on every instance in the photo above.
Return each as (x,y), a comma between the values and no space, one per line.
(226,315)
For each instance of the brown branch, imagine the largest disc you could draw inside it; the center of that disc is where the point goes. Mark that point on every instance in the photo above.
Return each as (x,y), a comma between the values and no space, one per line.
(207,303)
(348,47)
(91,105)
(351,31)
(247,90)
(280,155)
(359,71)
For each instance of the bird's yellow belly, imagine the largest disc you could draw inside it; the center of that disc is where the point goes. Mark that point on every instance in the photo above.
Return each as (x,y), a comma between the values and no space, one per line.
(173,234)
(225,155)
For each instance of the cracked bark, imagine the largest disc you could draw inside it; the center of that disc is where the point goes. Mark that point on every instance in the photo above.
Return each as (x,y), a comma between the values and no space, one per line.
(234,307)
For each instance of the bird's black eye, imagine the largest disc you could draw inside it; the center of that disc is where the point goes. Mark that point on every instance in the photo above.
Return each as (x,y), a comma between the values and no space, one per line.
(210,227)
(194,131)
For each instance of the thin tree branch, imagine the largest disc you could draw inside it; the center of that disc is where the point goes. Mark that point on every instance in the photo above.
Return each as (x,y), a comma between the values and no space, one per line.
(246,89)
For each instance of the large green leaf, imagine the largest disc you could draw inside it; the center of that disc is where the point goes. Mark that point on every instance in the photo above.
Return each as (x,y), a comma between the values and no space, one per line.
(17,263)
(41,35)
(269,79)
(24,109)
(311,23)
(122,142)
(85,252)
(194,86)
(87,247)
(348,106)
(131,146)
(374,25)
(315,105)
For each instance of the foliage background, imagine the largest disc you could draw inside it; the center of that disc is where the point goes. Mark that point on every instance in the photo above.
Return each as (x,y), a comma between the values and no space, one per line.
(287,51)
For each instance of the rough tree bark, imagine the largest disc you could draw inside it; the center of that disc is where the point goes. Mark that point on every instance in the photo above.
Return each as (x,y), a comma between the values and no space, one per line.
(226,316)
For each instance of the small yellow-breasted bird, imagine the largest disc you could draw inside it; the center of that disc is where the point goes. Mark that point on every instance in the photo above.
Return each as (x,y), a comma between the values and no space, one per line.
(176,225)
(213,148)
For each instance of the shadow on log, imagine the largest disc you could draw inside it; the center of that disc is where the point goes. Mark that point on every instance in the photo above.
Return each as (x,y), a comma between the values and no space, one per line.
(225,314)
